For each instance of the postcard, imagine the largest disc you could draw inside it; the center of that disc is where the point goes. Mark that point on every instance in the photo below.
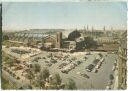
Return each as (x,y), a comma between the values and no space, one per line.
(64,45)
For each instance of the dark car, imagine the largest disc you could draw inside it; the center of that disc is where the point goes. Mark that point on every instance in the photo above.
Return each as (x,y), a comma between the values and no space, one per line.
(84,75)
(64,71)
(79,62)
(90,67)
(95,61)
(100,55)
(46,61)
(62,65)
(44,57)
(49,64)
(53,61)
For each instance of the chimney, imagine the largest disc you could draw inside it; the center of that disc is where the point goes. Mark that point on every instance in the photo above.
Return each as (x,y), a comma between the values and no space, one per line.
(58,39)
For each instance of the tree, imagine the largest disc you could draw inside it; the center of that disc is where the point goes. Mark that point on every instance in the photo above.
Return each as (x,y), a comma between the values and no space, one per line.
(41,79)
(56,81)
(31,76)
(80,45)
(44,74)
(39,82)
(71,84)
(37,68)
(90,43)
(73,35)
(5,37)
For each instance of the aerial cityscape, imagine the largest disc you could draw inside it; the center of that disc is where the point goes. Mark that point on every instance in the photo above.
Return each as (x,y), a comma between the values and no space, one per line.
(64,53)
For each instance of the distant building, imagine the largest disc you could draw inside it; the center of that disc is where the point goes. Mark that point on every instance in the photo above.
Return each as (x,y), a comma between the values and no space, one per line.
(33,39)
(49,41)
(70,45)
(103,40)
(93,33)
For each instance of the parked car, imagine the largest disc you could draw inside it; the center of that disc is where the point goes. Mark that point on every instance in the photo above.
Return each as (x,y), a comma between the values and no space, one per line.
(18,78)
(97,66)
(75,63)
(13,75)
(95,61)
(84,75)
(85,58)
(88,53)
(49,64)
(102,60)
(62,65)
(64,71)
(46,61)
(53,61)
(36,59)
(72,66)
(95,70)
(79,62)
(43,58)
(68,61)
(90,67)
(100,55)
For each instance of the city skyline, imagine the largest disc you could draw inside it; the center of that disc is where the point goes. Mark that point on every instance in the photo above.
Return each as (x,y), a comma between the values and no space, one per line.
(20,16)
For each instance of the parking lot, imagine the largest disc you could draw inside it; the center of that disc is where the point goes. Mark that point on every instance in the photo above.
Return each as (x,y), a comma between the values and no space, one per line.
(21,52)
(97,80)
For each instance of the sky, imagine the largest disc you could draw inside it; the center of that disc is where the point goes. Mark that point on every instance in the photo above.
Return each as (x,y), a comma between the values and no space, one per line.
(66,15)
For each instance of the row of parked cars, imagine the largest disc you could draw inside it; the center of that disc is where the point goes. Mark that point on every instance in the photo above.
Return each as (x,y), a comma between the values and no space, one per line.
(19,51)
(64,63)
(36,59)
(83,75)
(11,73)
(50,62)
(70,66)
(90,67)
(99,65)
(96,64)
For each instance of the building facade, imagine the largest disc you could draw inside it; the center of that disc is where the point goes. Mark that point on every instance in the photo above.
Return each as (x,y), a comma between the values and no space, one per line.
(121,67)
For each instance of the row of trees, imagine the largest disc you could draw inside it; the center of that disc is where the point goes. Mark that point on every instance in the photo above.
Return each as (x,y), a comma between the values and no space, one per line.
(87,43)
(44,80)
(5,37)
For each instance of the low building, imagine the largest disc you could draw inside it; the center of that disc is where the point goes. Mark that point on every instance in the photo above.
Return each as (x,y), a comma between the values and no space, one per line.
(92,33)
(107,40)
(107,48)
(49,41)
(33,39)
